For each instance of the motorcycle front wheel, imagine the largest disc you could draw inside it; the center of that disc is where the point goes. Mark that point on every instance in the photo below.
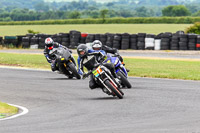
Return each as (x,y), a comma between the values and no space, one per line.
(74,71)
(114,89)
(124,79)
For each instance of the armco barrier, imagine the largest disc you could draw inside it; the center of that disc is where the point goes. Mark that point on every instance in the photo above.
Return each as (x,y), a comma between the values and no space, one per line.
(140,41)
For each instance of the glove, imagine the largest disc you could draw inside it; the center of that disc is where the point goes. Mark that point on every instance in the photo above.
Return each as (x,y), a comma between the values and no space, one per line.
(80,72)
(84,75)
(117,54)
(70,51)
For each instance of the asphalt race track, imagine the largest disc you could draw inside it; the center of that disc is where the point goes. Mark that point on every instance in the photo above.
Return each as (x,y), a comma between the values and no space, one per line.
(59,105)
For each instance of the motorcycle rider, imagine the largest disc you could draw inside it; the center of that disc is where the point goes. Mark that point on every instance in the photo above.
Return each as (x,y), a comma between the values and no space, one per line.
(49,45)
(97,45)
(83,53)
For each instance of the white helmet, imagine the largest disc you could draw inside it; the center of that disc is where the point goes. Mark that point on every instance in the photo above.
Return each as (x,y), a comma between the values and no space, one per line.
(49,42)
(97,45)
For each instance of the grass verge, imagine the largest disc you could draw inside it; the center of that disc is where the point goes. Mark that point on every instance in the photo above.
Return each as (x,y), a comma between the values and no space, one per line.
(13,30)
(155,68)
(7,110)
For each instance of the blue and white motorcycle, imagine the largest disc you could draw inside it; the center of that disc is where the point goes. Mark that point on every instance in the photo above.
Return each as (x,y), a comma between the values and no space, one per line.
(120,70)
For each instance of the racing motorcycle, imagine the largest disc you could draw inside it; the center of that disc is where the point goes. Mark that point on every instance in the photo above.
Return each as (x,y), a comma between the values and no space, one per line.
(120,70)
(102,77)
(64,62)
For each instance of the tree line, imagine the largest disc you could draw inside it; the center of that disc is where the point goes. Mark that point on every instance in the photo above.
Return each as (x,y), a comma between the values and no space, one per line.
(74,10)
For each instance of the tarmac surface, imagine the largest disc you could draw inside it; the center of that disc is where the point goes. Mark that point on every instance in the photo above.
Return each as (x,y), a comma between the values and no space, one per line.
(58,104)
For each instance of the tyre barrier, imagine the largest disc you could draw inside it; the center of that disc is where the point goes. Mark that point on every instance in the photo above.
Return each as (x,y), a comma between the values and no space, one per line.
(110,39)
(140,41)
(75,37)
(165,41)
(10,40)
(1,40)
(198,43)
(117,41)
(150,41)
(157,45)
(125,41)
(133,41)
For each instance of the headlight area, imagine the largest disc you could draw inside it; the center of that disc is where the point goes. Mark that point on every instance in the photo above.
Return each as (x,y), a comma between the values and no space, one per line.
(116,61)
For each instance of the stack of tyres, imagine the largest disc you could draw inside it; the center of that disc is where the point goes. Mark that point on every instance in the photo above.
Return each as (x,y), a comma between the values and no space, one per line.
(75,37)
(133,41)
(165,41)
(125,44)
(192,41)
(54,37)
(175,42)
(41,40)
(103,39)
(150,41)
(59,38)
(65,39)
(19,39)
(90,38)
(83,38)
(97,36)
(110,38)
(157,45)
(183,43)
(11,40)
(117,41)
(29,35)
(25,42)
(34,41)
(1,40)
(141,41)
(198,43)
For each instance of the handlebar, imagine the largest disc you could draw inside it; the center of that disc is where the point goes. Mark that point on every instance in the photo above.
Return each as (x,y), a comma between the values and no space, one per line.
(85,75)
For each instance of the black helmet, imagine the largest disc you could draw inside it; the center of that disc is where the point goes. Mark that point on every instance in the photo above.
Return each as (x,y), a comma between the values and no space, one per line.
(82,50)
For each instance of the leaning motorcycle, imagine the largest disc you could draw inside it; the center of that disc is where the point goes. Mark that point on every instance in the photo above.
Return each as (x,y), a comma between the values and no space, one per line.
(102,77)
(120,69)
(64,62)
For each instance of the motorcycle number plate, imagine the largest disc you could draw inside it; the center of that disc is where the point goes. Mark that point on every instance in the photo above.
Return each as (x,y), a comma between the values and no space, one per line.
(62,58)
(96,74)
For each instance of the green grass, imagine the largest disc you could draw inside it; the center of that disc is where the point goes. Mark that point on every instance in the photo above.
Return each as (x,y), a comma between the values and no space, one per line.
(7,110)
(93,28)
(24,60)
(156,68)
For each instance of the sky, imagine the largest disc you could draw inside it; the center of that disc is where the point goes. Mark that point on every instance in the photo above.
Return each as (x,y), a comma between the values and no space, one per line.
(78,0)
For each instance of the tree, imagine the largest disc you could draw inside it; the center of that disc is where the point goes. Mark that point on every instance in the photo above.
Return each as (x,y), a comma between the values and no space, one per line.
(174,11)
(74,15)
(197,14)
(41,7)
(142,12)
(103,14)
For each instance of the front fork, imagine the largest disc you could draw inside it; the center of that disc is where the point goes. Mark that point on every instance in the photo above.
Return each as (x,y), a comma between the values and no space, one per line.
(109,78)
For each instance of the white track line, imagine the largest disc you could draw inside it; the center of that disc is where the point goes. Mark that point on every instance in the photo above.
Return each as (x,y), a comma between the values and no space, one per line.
(24,111)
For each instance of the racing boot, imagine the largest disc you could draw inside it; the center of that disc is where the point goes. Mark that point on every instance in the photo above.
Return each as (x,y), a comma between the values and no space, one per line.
(53,67)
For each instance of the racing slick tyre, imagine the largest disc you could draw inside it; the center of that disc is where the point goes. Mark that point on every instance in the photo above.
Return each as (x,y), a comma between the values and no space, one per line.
(114,89)
(124,79)
(74,71)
